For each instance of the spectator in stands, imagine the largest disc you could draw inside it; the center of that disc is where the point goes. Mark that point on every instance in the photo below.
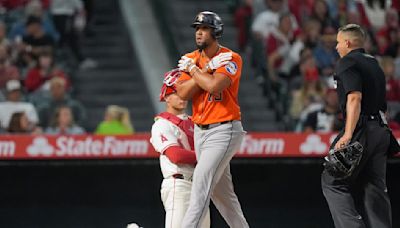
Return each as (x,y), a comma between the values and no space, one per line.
(320,13)
(27,48)
(13,4)
(268,19)
(66,15)
(325,119)
(281,49)
(311,30)
(7,70)
(38,77)
(301,9)
(3,35)
(397,64)
(318,20)
(393,49)
(243,16)
(296,73)
(116,122)
(14,104)
(392,85)
(35,39)
(396,5)
(34,8)
(309,97)
(387,33)
(375,11)
(325,52)
(12,9)
(19,124)
(352,17)
(63,123)
(58,98)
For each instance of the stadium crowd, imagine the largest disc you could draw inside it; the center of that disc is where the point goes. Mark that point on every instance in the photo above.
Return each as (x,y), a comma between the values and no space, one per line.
(39,55)
(292,45)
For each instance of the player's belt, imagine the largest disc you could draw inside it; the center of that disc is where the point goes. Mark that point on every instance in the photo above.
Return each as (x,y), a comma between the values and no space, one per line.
(209,126)
(373,117)
(370,117)
(178,176)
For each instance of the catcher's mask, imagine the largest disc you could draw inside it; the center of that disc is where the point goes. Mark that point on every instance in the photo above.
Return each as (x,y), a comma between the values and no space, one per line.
(169,81)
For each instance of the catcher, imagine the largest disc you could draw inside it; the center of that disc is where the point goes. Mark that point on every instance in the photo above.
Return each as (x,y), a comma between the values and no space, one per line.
(172,137)
(354,178)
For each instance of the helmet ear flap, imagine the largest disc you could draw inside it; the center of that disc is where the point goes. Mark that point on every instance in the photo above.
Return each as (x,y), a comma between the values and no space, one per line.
(217,33)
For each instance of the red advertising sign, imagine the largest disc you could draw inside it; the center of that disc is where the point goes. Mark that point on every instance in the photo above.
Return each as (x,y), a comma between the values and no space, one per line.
(255,145)
(76,147)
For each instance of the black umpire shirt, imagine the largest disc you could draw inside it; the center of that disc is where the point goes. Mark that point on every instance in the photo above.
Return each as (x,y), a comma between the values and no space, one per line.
(358,71)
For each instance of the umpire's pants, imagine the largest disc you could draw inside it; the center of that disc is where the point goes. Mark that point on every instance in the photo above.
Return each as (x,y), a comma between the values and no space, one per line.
(362,200)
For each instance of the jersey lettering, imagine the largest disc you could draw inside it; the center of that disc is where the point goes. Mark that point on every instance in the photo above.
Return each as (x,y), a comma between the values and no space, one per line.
(215,97)
(163,139)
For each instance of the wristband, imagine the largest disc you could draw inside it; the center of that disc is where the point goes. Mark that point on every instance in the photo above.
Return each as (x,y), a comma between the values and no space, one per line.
(208,69)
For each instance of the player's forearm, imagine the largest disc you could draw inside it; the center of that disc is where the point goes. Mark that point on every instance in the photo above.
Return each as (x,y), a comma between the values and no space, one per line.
(207,81)
(179,155)
(353,110)
(187,89)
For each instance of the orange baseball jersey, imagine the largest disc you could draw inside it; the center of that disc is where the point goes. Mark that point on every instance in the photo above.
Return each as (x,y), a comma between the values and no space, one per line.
(224,106)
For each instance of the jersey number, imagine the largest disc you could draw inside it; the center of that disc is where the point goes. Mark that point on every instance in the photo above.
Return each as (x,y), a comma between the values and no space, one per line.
(215,97)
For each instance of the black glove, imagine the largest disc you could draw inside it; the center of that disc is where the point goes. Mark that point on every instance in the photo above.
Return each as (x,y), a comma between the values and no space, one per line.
(341,163)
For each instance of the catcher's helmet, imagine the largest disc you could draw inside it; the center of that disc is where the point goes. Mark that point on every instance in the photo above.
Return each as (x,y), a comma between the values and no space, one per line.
(210,19)
(168,86)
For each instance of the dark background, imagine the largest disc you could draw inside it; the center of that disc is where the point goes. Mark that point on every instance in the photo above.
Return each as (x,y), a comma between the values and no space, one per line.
(273,193)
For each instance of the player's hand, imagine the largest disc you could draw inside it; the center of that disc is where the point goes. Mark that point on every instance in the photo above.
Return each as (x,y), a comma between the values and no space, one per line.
(186,64)
(343,141)
(220,60)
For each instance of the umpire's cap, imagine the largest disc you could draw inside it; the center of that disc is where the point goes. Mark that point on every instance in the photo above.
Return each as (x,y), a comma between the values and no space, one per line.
(210,19)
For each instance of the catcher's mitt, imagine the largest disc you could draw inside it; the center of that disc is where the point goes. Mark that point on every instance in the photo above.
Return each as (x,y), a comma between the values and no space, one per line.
(341,163)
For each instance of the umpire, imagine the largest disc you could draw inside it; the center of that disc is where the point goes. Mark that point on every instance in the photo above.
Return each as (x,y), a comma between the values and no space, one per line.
(360,200)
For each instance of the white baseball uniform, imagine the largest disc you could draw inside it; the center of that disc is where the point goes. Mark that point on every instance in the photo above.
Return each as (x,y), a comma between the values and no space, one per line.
(175,193)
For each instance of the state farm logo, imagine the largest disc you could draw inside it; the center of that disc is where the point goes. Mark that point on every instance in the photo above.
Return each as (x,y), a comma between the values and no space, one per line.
(7,148)
(40,146)
(252,145)
(313,144)
(65,146)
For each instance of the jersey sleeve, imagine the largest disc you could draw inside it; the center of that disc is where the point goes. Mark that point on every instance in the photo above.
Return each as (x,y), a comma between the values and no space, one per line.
(162,136)
(233,68)
(184,77)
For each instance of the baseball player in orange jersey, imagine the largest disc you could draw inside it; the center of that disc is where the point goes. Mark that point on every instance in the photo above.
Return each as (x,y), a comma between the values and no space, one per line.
(172,137)
(211,81)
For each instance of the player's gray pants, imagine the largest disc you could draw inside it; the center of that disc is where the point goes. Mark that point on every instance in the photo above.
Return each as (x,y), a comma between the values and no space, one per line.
(212,178)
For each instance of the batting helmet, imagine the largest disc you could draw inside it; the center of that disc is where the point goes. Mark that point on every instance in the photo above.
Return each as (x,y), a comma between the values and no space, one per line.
(211,20)
(168,86)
